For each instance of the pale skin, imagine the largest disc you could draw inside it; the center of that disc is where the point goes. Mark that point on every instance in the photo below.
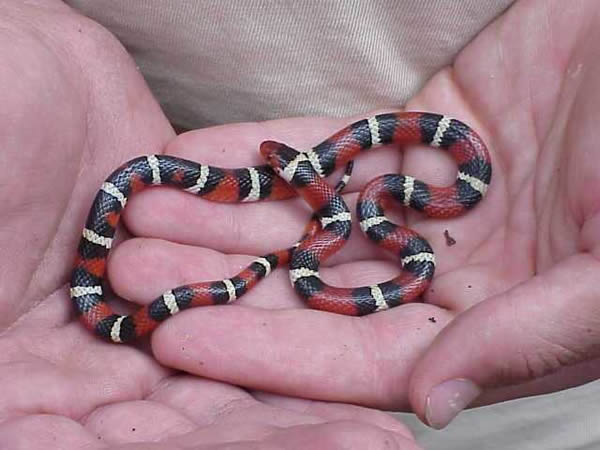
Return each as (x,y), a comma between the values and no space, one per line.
(76,107)
(516,296)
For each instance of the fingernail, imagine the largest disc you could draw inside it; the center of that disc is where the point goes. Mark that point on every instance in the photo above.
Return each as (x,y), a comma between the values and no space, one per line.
(447,399)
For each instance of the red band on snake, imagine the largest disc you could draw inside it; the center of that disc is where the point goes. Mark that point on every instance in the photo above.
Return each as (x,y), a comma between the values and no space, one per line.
(289,172)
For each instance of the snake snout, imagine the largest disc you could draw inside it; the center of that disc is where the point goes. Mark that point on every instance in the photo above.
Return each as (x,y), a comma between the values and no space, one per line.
(276,154)
(269,148)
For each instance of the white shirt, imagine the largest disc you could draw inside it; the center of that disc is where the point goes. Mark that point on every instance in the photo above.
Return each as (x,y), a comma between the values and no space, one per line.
(219,61)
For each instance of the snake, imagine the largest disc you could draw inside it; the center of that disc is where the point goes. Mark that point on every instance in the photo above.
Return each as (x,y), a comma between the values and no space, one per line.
(287,173)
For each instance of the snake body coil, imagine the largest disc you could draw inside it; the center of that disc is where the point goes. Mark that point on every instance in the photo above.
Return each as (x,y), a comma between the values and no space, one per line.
(288,173)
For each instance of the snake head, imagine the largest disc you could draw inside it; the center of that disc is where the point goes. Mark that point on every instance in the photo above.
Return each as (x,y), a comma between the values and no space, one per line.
(278,156)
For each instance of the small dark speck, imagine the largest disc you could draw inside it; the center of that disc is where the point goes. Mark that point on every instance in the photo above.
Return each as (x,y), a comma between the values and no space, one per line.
(79,29)
(264,324)
(432,320)
(469,286)
(450,241)
(201,363)
(133,429)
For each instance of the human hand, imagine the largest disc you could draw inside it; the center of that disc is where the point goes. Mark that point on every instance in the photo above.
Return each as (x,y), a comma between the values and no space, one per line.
(74,107)
(515,294)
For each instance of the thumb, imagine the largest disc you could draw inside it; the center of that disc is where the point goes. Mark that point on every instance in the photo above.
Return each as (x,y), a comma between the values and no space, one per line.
(538,327)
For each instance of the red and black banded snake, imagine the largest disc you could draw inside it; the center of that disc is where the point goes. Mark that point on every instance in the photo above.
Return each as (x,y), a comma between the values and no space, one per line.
(290,172)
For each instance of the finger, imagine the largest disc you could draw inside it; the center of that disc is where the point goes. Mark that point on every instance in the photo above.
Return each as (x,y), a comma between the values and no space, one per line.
(244,228)
(137,421)
(261,228)
(224,412)
(237,145)
(531,331)
(141,269)
(341,435)
(336,412)
(255,229)
(564,378)
(46,431)
(191,410)
(346,435)
(208,402)
(303,353)
(232,228)
(227,226)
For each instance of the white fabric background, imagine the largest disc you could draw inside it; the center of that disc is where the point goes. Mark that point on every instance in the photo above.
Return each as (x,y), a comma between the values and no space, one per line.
(220,61)
(567,420)
(212,62)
